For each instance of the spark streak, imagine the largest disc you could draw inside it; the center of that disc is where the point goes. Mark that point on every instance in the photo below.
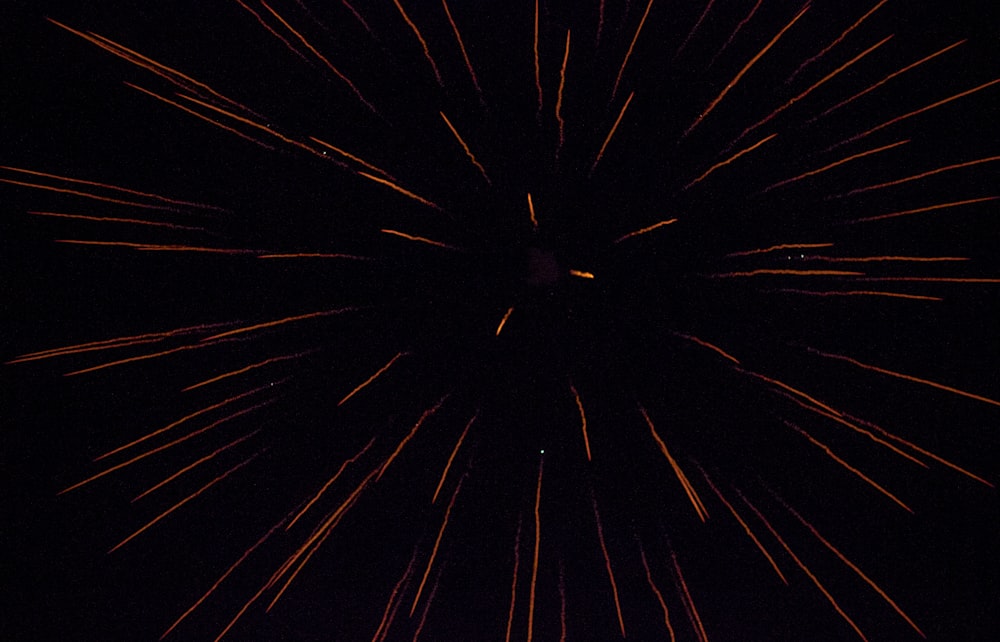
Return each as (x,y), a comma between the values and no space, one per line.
(689,490)
(607,566)
(538,543)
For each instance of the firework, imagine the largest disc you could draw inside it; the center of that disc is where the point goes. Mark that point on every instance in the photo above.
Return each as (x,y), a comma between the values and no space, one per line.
(431,321)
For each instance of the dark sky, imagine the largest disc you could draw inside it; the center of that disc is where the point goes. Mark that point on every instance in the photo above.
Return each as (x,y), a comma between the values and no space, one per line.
(618,339)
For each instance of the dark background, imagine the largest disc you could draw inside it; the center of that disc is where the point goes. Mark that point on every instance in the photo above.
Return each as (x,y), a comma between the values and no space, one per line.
(65,110)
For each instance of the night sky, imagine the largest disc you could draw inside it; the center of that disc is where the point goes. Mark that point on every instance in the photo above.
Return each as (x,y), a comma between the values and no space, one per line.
(631,340)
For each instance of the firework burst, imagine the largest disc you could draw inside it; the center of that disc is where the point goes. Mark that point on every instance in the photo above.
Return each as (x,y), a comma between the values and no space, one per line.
(400,321)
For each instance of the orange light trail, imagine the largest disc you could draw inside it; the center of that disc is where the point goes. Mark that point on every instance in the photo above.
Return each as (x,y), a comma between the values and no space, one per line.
(644,230)
(583,419)
(513,582)
(706,344)
(538,69)
(421,239)
(115,219)
(915,112)
(142,357)
(794,391)
(746,527)
(273,32)
(833,44)
(833,164)
(330,482)
(271,324)
(607,565)
(805,569)
(581,274)
(465,146)
(732,36)
(383,626)
(891,295)
(694,29)
(451,458)
(372,378)
(503,321)
(929,208)
(932,172)
(905,377)
(930,279)
(437,544)
(405,192)
(465,54)
(657,593)
(786,272)
(853,567)
(259,364)
(356,159)
(877,259)
(314,255)
(426,414)
(105,199)
(538,542)
(562,602)
(885,80)
(611,133)
(628,54)
(728,161)
(744,70)
(194,464)
(688,601)
(151,247)
(423,43)
(176,506)
(531,212)
(689,490)
(179,440)
(427,604)
(559,98)
(778,248)
(847,466)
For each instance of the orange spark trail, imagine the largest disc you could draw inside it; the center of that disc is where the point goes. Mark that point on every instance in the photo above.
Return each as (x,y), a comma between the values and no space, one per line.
(581,274)
(150,247)
(891,295)
(105,199)
(746,527)
(906,377)
(920,450)
(356,159)
(383,626)
(611,133)
(727,275)
(271,324)
(689,490)
(657,593)
(834,43)
(401,190)
(777,248)
(538,542)
(421,239)
(900,181)
(885,80)
(196,114)
(322,58)
(465,146)
(853,567)
(644,230)
(929,208)
(423,43)
(607,565)
(880,259)
(194,464)
(427,604)
(628,54)
(254,366)
(273,32)
(451,458)
(426,414)
(142,357)
(465,54)
(531,212)
(226,574)
(728,161)
(929,279)
(182,420)
(372,378)
(559,98)
(746,68)
(583,419)
(708,345)
(330,482)
(115,219)
(732,36)
(437,544)
(847,466)
(315,255)
(804,568)
(513,583)
(538,70)
(170,510)
(832,165)
(562,602)
(794,391)
(694,29)
(915,112)
(141,456)
(688,602)
(503,321)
